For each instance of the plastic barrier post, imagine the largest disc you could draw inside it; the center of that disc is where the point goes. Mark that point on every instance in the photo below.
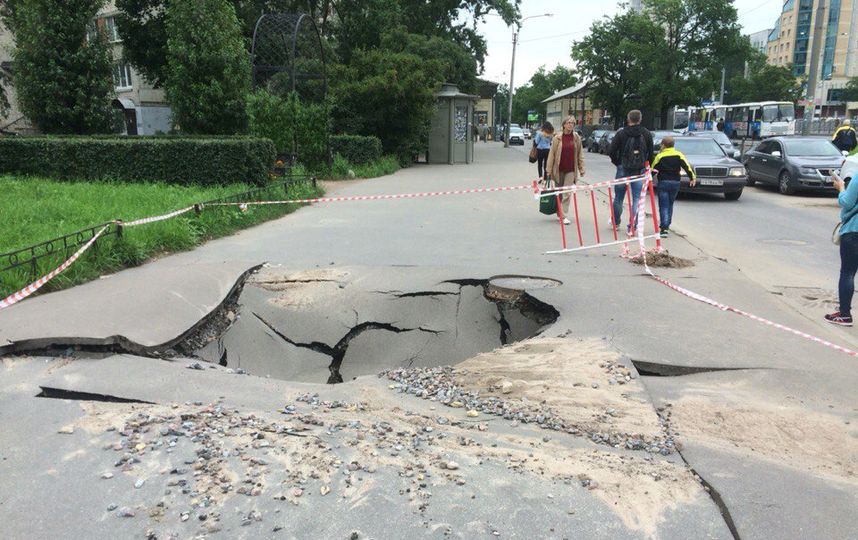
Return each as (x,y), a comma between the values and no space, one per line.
(595,216)
(631,210)
(613,217)
(654,214)
(577,219)
(560,217)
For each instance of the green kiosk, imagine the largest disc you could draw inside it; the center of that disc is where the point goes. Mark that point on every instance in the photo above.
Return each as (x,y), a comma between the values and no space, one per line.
(451,138)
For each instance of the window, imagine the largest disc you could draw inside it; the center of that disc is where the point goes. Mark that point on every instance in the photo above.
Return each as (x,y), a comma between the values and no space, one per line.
(765,147)
(835,95)
(122,76)
(111,29)
(830,40)
(91,31)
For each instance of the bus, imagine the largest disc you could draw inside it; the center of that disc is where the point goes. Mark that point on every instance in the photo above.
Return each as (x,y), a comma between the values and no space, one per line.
(696,119)
(757,120)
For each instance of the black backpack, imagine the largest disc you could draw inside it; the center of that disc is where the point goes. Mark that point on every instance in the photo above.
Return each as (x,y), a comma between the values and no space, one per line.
(634,156)
(849,139)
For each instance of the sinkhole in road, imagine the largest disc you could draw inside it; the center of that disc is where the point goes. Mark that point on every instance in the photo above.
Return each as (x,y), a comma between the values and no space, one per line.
(333,327)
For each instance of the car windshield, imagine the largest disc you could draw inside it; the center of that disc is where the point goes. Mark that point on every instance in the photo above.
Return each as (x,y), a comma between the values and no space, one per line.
(810,148)
(720,138)
(703,146)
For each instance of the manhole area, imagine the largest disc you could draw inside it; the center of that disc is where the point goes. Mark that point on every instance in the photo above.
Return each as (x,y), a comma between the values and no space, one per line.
(333,330)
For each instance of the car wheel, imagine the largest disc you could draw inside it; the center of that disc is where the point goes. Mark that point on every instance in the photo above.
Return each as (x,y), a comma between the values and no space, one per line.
(751,179)
(733,195)
(785,183)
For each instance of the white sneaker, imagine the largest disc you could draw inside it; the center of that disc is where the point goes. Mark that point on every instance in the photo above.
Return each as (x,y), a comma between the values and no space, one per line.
(566,221)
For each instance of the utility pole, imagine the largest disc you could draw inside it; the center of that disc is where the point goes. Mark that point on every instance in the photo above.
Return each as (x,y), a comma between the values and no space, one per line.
(723,77)
(815,50)
(511,79)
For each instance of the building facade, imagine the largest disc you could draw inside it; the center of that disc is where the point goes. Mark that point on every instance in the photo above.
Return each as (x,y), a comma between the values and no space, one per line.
(485,110)
(573,101)
(791,43)
(142,106)
(760,40)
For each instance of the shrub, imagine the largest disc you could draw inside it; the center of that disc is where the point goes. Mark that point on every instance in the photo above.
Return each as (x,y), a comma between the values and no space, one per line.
(358,149)
(291,124)
(173,160)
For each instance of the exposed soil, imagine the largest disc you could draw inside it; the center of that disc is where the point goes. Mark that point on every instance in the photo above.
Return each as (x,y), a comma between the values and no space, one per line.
(662,259)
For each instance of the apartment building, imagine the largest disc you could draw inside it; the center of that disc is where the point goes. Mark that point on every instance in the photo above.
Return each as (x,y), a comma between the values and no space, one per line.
(760,40)
(791,42)
(142,107)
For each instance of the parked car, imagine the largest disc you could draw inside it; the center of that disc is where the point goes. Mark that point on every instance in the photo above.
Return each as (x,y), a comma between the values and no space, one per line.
(605,141)
(516,135)
(716,171)
(591,143)
(722,139)
(658,136)
(793,163)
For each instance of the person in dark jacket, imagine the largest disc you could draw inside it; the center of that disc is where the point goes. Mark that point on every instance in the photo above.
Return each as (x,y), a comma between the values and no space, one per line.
(670,163)
(629,151)
(845,138)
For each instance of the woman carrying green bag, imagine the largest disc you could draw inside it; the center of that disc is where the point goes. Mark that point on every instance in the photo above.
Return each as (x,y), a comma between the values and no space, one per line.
(566,161)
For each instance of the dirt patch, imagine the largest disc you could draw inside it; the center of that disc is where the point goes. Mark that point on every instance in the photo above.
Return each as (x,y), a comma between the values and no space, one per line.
(662,259)
(582,381)
(298,290)
(811,441)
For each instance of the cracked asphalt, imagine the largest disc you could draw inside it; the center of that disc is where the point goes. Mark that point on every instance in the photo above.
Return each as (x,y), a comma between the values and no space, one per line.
(765,423)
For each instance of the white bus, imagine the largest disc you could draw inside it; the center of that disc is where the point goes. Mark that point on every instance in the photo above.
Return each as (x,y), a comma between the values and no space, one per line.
(757,120)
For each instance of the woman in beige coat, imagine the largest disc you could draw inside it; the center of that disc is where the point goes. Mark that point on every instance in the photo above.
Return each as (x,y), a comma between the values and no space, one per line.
(566,161)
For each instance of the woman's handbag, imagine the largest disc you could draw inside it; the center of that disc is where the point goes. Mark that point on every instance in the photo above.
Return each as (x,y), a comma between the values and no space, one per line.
(548,205)
(533,153)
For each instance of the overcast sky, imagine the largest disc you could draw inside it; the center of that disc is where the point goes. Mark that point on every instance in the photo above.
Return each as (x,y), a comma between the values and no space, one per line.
(547,41)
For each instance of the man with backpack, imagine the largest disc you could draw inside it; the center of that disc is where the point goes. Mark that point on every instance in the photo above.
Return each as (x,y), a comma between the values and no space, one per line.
(845,138)
(630,150)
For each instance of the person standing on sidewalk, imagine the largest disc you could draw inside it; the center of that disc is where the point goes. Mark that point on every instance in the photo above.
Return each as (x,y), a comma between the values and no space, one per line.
(629,151)
(566,161)
(848,201)
(845,138)
(669,163)
(543,148)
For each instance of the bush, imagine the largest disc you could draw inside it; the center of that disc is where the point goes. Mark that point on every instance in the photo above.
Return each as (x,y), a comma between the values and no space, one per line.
(357,149)
(292,125)
(173,160)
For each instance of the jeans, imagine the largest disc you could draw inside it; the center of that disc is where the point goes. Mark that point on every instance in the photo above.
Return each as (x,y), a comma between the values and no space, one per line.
(542,161)
(848,268)
(620,194)
(667,192)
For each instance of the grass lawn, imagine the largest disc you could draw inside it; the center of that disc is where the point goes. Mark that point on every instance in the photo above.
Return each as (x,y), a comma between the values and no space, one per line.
(33,210)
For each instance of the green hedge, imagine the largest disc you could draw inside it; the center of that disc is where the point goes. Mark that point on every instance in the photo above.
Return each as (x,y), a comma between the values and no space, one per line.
(173,160)
(357,149)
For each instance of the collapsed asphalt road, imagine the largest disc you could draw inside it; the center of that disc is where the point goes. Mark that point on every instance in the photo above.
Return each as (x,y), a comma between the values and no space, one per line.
(736,430)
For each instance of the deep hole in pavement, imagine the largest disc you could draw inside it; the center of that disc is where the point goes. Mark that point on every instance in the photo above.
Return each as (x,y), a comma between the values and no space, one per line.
(60,393)
(654,369)
(416,328)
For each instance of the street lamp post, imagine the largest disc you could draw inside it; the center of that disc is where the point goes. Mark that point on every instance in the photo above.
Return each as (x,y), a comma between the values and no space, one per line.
(516,29)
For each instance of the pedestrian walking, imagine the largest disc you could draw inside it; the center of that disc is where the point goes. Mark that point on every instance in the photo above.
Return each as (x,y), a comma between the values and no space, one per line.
(630,150)
(566,161)
(720,125)
(848,236)
(845,138)
(669,163)
(542,141)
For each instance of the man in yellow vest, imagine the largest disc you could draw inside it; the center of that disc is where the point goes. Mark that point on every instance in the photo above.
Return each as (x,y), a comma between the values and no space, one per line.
(845,138)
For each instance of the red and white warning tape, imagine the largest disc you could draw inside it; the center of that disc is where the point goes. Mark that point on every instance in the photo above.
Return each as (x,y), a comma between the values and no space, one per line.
(154,219)
(376,197)
(38,284)
(539,193)
(714,303)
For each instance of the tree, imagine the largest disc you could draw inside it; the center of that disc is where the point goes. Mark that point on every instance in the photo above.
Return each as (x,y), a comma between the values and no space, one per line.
(387,94)
(63,80)
(617,58)
(850,93)
(766,83)
(208,69)
(543,84)
(698,37)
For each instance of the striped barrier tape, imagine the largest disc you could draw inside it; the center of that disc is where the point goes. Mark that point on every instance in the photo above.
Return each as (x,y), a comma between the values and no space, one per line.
(588,187)
(714,303)
(38,284)
(154,219)
(377,197)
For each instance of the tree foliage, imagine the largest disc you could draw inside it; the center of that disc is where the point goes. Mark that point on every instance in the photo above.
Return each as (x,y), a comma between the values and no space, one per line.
(387,94)
(617,58)
(208,68)
(542,85)
(765,82)
(63,80)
